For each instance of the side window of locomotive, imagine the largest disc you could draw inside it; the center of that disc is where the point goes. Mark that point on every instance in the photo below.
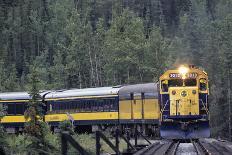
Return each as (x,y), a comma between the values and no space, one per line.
(164,86)
(203,84)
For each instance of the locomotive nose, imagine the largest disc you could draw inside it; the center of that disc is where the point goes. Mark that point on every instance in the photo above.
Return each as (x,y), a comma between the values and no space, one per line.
(184,101)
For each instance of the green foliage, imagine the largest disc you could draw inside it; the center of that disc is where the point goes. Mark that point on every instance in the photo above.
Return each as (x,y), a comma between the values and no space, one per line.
(34,111)
(66,126)
(100,43)
(17,144)
(35,128)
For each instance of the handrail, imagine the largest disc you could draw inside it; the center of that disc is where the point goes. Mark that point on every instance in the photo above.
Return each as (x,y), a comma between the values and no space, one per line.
(162,110)
(204,104)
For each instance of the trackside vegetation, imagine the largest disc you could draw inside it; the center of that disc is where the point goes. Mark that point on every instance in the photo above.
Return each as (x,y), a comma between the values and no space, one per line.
(63,44)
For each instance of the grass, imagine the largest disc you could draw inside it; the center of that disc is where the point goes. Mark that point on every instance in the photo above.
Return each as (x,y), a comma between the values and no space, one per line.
(17,144)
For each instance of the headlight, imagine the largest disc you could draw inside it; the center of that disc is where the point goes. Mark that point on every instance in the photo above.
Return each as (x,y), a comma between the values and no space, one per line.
(183,70)
(183,93)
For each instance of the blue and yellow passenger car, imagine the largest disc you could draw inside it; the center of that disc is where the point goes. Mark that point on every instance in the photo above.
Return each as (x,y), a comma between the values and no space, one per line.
(89,107)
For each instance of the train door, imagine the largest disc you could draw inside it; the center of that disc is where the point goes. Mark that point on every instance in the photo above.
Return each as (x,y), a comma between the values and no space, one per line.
(151,109)
(137,106)
(125,107)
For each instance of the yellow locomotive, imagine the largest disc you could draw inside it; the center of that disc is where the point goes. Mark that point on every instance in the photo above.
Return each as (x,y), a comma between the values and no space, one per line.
(184,103)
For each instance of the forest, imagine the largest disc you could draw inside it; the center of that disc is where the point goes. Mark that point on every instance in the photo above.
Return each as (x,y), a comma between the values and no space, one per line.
(93,43)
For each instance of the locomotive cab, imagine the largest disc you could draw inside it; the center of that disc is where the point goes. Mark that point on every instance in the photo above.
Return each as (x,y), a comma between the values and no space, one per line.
(184,103)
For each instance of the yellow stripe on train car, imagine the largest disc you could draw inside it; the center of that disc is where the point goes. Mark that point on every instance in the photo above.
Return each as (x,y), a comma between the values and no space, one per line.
(82,116)
(13,119)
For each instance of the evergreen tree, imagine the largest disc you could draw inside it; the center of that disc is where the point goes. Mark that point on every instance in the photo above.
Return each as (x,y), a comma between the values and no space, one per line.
(89,43)
(36,129)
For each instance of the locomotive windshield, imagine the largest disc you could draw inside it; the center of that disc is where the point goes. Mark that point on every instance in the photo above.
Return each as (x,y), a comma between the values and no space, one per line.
(190,82)
(177,83)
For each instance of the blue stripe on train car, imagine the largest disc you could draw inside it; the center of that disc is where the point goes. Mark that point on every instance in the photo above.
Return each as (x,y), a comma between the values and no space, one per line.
(13,125)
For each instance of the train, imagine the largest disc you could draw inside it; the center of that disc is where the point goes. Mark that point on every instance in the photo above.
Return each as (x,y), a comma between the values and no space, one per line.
(89,108)
(174,107)
(184,103)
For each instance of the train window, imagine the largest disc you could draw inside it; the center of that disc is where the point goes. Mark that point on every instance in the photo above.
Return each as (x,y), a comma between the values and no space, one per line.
(115,106)
(88,105)
(56,106)
(67,105)
(77,106)
(19,108)
(61,106)
(101,105)
(175,83)
(164,86)
(81,106)
(203,84)
(10,108)
(190,82)
(73,105)
(111,104)
(106,103)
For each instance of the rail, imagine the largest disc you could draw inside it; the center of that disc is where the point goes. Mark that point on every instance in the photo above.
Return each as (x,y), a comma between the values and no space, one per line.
(200,149)
(172,148)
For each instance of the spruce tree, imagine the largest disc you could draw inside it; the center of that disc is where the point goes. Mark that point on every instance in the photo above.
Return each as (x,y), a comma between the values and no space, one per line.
(35,128)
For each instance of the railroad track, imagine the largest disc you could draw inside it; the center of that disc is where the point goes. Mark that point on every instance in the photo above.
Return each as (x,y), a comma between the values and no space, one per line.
(159,148)
(194,147)
(215,147)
